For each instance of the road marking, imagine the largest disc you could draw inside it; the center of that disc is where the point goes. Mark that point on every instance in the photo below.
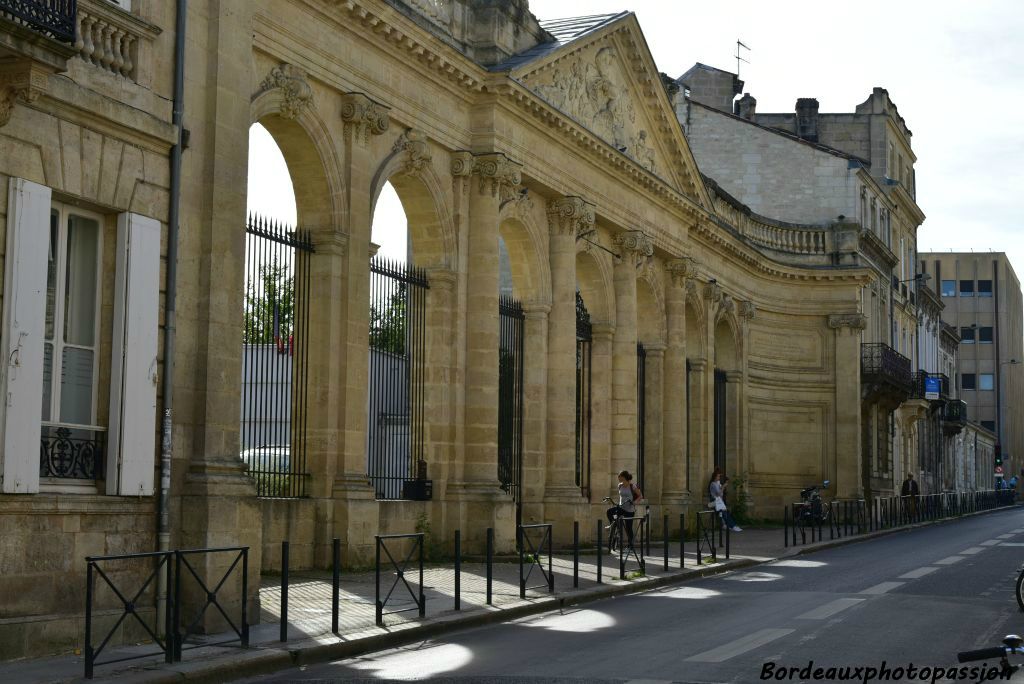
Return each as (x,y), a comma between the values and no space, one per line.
(949,560)
(973,550)
(882,588)
(1018,530)
(1011,544)
(920,572)
(739,646)
(1005,536)
(830,609)
(990,542)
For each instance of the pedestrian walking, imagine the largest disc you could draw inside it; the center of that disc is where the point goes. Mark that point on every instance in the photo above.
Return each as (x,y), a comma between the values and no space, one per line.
(716,492)
(910,492)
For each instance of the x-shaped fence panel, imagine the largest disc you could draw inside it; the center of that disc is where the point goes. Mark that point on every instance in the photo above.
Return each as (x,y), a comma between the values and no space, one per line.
(210,598)
(526,536)
(400,568)
(627,542)
(706,534)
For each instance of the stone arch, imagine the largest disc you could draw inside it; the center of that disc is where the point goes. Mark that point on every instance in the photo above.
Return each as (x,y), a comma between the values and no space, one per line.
(728,350)
(526,247)
(594,280)
(431,230)
(650,309)
(313,163)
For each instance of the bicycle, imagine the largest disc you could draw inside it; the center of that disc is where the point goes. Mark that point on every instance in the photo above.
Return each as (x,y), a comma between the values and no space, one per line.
(1019,590)
(613,529)
(1011,647)
(812,510)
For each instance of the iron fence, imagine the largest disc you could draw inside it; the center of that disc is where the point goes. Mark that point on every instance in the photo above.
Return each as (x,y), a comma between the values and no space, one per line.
(510,398)
(628,534)
(641,413)
(72,451)
(886,365)
(528,549)
(400,567)
(396,462)
(275,361)
(584,346)
(53,18)
(211,597)
(706,536)
(719,426)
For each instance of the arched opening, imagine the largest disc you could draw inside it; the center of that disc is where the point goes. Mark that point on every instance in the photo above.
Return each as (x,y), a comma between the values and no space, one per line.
(275,353)
(724,395)
(694,375)
(592,372)
(650,331)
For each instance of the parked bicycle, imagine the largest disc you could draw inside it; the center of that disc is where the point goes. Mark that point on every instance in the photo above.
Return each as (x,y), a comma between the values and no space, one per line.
(1011,647)
(1019,590)
(812,510)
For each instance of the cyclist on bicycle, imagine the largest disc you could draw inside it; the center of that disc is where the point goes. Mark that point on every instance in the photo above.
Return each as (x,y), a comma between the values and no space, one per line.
(629,494)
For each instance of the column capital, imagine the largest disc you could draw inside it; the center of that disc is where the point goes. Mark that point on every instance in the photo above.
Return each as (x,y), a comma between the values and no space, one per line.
(497,174)
(655,349)
(333,243)
(570,215)
(712,292)
(635,246)
(602,330)
(699,365)
(441,278)
(748,310)
(682,269)
(854,321)
(536,310)
(727,303)
(20,81)
(363,116)
(733,376)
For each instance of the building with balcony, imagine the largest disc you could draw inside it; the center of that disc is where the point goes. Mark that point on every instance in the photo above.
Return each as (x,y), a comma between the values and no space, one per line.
(982,302)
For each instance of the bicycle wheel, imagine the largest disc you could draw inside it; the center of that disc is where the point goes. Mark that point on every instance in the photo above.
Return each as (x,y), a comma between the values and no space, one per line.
(613,539)
(1019,590)
(826,511)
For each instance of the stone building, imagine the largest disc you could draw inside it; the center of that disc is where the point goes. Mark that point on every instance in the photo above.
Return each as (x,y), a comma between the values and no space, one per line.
(982,299)
(658,324)
(856,170)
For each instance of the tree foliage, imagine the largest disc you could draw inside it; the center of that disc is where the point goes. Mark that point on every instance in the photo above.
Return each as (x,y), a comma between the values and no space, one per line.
(270,305)
(388,322)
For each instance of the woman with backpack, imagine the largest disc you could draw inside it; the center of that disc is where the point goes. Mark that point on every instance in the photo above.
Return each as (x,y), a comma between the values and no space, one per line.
(629,494)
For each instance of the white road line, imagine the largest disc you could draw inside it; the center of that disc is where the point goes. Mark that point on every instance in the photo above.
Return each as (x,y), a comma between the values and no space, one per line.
(1005,536)
(949,560)
(1018,530)
(973,550)
(920,572)
(735,648)
(1011,544)
(882,588)
(989,542)
(830,609)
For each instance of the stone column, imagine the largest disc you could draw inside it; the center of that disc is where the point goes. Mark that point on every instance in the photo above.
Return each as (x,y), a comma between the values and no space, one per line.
(674,449)
(634,248)
(601,373)
(653,423)
(355,510)
(490,177)
(848,465)
(712,294)
(535,418)
(441,338)
(567,217)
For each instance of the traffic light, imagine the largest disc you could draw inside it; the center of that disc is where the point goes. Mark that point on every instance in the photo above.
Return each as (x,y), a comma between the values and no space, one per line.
(999,455)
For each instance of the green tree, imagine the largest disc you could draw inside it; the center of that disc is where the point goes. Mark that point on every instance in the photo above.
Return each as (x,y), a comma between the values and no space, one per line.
(388,323)
(270,305)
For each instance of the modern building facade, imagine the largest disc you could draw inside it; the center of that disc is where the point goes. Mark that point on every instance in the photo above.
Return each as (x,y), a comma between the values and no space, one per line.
(982,302)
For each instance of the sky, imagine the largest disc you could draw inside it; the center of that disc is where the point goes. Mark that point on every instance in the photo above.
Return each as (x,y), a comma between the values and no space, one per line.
(954,70)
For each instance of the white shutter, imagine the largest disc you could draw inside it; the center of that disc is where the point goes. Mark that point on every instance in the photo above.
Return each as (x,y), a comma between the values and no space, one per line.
(132,431)
(24,302)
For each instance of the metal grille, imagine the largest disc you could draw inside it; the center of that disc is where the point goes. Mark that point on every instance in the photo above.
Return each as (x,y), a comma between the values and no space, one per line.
(275,359)
(510,397)
(395,433)
(72,451)
(689,434)
(54,18)
(720,406)
(584,337)
(641,412)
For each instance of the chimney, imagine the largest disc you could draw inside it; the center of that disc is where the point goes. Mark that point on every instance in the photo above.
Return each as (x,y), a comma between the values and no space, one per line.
(746,106)
(807,118)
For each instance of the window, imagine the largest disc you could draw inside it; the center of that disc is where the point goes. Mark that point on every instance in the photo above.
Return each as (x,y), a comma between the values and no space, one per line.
(949,288)
(986,381)
(967,381)
(966,288)
(71,324)
(891,169)
(989,425)
(967,335)
(984,288)
(985,334)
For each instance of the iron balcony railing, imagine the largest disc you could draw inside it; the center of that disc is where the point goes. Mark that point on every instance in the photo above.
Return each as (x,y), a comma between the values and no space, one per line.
(72,451)
(919,381)
(955,412)
(882,364)
(54,18)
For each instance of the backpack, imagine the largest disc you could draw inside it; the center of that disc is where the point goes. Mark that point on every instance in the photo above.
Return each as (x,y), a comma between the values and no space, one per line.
(637,494)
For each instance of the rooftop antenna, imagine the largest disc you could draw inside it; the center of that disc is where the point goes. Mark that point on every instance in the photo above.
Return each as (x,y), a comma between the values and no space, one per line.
(739,44)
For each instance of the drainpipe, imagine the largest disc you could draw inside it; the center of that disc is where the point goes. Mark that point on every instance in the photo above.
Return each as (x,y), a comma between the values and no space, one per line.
(163,509)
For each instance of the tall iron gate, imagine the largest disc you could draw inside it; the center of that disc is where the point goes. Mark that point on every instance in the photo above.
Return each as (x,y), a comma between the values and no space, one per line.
(275,359)
(689,434)
(395,429)
(641,412)
(720,420)
(584,337)
(510,397)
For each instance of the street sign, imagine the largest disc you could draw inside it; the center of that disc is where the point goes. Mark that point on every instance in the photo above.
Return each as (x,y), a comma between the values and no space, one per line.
(932,385)
(999,470)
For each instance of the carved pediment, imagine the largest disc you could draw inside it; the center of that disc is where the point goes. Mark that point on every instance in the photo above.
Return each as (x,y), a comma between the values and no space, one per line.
(593,87)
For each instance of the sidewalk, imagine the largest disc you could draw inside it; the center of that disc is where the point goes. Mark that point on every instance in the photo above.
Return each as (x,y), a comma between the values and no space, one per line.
(310,639)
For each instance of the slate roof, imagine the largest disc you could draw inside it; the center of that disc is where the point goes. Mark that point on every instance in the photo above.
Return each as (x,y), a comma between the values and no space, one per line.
(564,31)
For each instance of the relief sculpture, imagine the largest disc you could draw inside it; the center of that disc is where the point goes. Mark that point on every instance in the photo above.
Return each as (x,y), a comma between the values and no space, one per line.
(592,89)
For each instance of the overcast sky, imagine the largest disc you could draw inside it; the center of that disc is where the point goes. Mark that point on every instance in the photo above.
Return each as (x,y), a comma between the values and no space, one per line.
(954,69)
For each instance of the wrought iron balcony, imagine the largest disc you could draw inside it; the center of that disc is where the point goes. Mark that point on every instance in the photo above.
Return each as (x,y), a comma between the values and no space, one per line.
(885,373)
(954,416)
(72,451)
(919,381)
(54,18)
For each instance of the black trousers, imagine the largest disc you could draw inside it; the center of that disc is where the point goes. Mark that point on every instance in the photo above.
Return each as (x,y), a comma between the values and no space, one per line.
(619,512)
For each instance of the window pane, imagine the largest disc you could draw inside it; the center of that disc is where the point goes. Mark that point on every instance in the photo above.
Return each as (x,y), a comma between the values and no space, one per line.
(989,425)
(985,335)
(985,381)
(966,288)
(949,288)
(51,276)
(80,285)
(47,379)
(967,381)
(967,335)
(984,288)
(76,386)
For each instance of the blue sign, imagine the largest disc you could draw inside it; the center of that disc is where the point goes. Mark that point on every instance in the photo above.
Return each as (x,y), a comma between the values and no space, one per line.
(932,387)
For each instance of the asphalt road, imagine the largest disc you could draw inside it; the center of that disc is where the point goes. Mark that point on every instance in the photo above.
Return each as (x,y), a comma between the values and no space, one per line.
(911,597)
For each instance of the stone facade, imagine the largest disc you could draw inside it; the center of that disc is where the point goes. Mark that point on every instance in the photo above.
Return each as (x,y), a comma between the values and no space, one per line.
(560,141)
